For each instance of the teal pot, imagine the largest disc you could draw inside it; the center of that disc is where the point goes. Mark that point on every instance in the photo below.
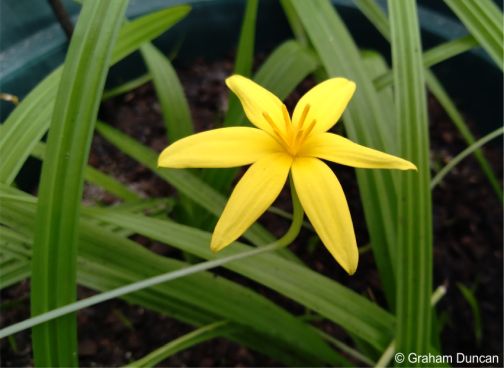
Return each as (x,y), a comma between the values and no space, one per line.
(33,43)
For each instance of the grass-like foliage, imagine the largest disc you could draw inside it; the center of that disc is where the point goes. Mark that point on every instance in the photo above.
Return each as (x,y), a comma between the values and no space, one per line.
(59,244)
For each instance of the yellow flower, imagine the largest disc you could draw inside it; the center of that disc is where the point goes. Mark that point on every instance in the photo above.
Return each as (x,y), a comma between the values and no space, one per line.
(279,145)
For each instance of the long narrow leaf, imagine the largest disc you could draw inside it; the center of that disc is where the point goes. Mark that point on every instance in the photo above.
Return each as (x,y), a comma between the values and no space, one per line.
(414,261)
(174,106)
(181,343)
(295,23)
(244,54)
(15,258)
(109,183)
(374,13)
(126,87)
(55,246)
(17,271)
(307,287)
(30,120)
(376,65)
(196,298)
(484,20)
(471,299)
(433,56)
(444,99)
(456,160)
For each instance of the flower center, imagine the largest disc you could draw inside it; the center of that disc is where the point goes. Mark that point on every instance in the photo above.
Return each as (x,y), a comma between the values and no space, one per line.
(293,136)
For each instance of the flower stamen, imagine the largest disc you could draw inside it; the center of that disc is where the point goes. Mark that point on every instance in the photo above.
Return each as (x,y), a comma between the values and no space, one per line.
(307,132)
(272,124)
(286,117)
(299,136)
(303,116)
(288,125)
(279,136)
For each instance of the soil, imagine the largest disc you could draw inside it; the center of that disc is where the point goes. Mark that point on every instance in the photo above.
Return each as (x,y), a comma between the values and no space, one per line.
(467,236)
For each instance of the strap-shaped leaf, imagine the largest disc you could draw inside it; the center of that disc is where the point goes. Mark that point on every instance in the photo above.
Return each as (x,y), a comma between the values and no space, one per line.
(414,255)
(181,343)
(196,299)
(55,246)
(244,54)
(30,120)
(174,106)
(307,287)
(92,175)
(484,20)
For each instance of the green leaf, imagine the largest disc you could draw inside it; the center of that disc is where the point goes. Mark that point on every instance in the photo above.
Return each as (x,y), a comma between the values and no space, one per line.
(170,93)
(15,258)
(442,96)
(307,287)
(484,20)
(295,23)
(92,175)
(13,272)
(456,160)
(244,54)
(414,260)
(433,56)
(146,28)
(197,299)
(376,65)
(55,246)
(126,87)
(30,120)
(375,14)
(174,106)
(184,342)
(470,298)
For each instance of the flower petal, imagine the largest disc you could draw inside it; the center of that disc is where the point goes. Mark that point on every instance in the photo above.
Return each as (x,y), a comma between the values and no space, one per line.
(325,205)
(343,151)
(326,103)
(225,147)
(253,195)
(258,101)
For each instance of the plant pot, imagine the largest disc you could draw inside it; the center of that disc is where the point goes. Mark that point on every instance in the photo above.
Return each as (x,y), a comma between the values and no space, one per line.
(35,44)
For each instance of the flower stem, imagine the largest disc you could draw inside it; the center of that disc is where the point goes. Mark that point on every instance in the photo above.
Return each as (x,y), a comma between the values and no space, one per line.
(297,221)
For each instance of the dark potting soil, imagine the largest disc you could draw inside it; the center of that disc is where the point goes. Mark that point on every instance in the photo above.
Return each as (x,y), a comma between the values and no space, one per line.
(467,241)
